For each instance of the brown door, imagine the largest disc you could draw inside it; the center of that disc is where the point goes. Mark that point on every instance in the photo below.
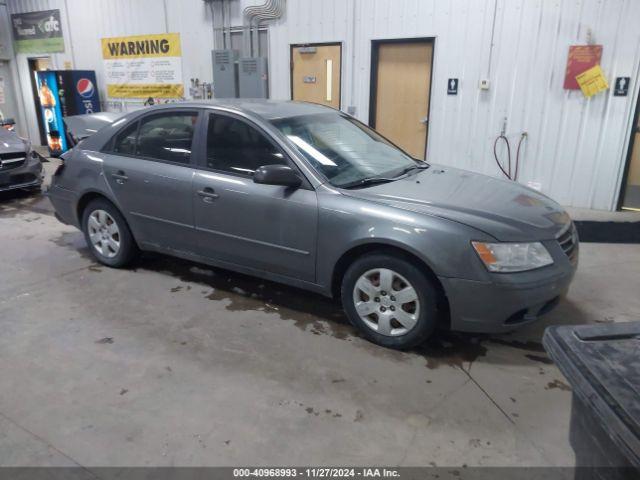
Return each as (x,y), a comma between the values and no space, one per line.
(401,86)
(315,74)
(632,192)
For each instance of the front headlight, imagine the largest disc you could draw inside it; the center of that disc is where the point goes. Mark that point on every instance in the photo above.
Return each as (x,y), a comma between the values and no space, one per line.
(512,257)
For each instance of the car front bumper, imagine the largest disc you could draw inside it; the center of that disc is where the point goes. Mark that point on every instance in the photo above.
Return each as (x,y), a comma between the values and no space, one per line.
(27,175)
(508,301)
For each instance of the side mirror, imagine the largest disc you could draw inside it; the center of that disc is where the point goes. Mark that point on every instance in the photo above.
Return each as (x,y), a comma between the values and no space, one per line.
(277,175)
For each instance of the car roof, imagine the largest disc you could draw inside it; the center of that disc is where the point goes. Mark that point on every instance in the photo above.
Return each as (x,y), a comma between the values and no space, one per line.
(266,109)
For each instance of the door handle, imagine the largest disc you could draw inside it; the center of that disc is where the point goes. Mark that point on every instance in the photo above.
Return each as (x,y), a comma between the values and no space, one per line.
(120,177)
(424,120)
(208,195)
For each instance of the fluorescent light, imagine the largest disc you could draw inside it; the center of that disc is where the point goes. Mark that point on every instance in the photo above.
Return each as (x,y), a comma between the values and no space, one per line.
(320,157)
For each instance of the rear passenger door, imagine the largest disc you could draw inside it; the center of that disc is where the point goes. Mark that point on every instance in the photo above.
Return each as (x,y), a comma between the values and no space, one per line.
(265,227)
(149,167)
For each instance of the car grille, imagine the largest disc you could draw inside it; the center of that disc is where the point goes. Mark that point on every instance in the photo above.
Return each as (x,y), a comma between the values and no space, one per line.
(568,241)
(12,160)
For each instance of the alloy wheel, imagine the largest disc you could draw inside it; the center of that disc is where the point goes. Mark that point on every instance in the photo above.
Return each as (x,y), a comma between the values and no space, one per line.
(104,233)
(386,302)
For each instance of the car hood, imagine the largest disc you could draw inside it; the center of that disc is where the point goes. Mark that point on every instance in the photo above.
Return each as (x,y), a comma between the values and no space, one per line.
(11,142)
(503,209)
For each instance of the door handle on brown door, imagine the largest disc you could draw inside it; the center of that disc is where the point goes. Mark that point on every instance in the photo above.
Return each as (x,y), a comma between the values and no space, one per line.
(120,177)
(208,195)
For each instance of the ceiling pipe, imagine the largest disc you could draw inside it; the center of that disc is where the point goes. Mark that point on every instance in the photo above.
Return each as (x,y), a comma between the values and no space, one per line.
(269,10)
(270,14)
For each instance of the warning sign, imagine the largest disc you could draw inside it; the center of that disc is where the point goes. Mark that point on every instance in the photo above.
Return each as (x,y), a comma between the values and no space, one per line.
(592,81)
(143,66)
(581,58)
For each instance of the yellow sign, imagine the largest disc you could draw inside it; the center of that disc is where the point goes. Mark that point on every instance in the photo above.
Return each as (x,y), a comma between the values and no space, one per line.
(143,66)
(592,81)
(155,90)
(142,46)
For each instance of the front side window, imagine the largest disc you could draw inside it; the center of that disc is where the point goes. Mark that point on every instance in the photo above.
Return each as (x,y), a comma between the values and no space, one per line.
(167,136)
(235,146)
(344,150)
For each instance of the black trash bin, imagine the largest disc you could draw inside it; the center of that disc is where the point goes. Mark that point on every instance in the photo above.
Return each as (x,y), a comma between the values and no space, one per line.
(602,364)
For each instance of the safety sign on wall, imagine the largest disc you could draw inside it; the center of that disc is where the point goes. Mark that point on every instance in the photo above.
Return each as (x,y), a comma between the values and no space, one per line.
(581,58)
(592,81)
(143,66)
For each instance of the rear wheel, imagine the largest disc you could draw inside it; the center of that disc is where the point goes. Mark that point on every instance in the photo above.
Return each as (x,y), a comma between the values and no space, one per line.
(107,234)
(390,300)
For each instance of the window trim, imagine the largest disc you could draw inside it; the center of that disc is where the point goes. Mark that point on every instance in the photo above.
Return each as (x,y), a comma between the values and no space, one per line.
(108,148)
(202,163)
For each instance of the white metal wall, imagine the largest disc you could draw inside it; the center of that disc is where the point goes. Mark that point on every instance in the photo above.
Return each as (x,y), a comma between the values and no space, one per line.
(576,147)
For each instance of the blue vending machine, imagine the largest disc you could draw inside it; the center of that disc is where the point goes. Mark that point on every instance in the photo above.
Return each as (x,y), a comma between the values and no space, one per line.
(63,93)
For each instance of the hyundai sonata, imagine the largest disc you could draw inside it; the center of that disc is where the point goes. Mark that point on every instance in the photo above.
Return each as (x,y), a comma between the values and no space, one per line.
(308,196)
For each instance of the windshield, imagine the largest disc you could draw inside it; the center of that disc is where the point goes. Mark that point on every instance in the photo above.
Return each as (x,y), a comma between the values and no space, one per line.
(344,150)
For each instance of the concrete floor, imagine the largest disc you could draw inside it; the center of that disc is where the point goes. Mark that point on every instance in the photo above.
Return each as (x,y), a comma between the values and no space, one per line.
(174,363)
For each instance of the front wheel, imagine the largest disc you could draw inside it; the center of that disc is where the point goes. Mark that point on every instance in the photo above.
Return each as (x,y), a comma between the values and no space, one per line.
(390,300)
(107,234)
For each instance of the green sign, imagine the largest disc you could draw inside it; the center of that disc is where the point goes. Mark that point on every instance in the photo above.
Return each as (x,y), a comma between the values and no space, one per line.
(38,32)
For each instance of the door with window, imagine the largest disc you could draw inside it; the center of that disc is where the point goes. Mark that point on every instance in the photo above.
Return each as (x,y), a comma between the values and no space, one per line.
(400,90)
(315,73)
(264,227)
(149,169)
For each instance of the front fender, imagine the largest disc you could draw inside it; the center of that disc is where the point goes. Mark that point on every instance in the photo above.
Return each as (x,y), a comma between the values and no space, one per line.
(347,223)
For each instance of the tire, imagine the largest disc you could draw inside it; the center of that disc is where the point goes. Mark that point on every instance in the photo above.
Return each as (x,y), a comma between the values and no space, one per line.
(419,317)
(97,220)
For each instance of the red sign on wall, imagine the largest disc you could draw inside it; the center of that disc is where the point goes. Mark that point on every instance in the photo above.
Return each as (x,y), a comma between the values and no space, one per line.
(581,58)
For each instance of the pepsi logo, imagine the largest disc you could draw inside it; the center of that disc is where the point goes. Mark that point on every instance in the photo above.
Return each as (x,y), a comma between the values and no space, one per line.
(85,88)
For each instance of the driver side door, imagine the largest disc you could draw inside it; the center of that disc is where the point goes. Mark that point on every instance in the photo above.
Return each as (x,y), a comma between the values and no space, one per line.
(265,227)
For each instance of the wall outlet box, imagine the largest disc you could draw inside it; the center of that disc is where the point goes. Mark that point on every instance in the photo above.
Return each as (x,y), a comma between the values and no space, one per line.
(484,84)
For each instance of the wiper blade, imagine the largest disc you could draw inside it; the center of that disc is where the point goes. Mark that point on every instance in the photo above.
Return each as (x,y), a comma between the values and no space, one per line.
(367,181)
(417,166)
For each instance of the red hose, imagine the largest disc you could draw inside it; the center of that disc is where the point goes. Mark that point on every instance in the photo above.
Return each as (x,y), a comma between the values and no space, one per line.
(495,154)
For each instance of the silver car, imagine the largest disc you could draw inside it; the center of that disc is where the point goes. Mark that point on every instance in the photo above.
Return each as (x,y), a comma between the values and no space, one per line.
(20,166)
(308,196)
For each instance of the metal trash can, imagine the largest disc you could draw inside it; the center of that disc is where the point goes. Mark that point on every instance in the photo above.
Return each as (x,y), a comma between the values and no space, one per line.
(602,364)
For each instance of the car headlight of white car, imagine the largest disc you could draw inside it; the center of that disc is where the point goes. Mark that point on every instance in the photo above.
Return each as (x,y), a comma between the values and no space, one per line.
(512,257)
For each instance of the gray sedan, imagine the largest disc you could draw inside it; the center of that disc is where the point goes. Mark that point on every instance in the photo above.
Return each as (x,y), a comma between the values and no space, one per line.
(20,167)
(305,195)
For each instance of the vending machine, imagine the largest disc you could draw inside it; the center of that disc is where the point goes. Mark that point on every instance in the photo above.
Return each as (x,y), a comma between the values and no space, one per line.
(63,93)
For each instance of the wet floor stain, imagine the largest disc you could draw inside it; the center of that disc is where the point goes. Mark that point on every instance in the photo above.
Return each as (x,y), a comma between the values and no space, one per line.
(558,384)
(540,358)
(528,346)
(74,241)
(451,349)
(17,202)
(308,311)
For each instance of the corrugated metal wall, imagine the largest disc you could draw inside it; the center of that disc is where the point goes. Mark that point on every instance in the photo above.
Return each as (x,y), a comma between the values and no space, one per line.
(575,148)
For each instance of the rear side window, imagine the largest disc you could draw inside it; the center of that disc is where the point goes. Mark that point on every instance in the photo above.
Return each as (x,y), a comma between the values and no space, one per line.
(125,141)
(167,136)
(235,146)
